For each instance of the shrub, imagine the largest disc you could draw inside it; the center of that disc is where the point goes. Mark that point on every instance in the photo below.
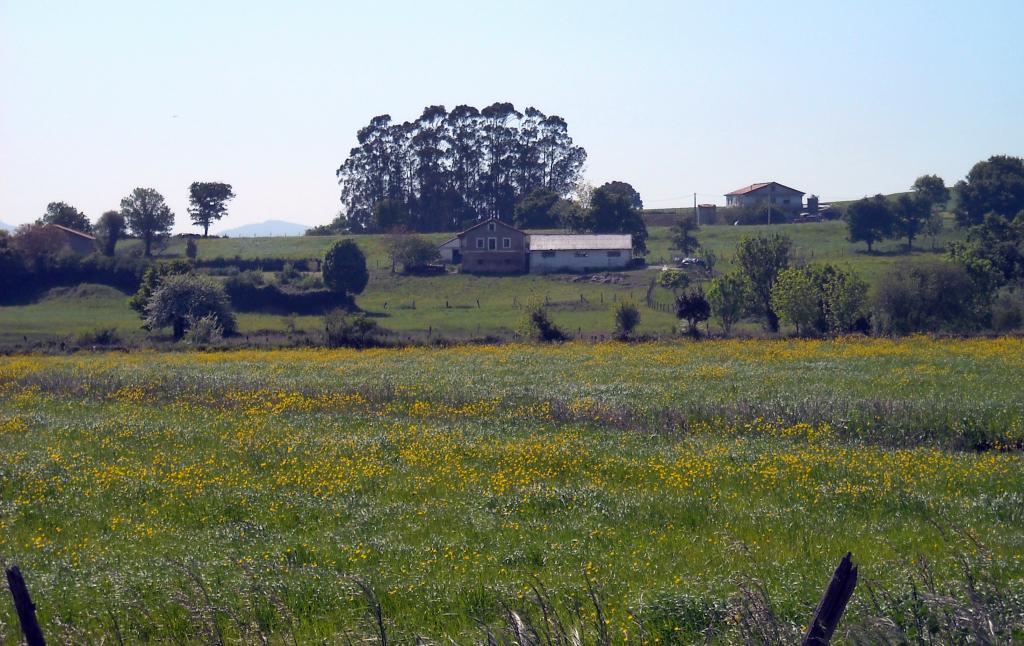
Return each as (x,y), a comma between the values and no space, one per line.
(344,268)
(537,326)
(183,299)
(152,280)
(1008,311)
(100,336)
(796,298)
(191,249)
(204,330)
(925,297)
(694,308)
(350,330)
(728,297)
(627,317)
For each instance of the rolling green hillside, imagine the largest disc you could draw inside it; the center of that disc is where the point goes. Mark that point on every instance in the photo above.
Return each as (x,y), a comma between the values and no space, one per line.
(456,305)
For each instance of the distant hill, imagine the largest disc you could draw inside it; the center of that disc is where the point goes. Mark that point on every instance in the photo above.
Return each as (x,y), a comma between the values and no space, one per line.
(7,227)
(265,229)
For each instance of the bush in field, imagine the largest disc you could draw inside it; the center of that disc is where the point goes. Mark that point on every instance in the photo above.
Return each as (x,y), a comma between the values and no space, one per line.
(537,326)
(728,296)
(760,260)
(796,298)
(204,330)
(347,330)
(100,336)
(627,317)
(845,297)
(412,252)
(191,249)
(1008,311)
(183,299)
(152,280)
(344,268)
(926,297)
(675,280)
(694,308)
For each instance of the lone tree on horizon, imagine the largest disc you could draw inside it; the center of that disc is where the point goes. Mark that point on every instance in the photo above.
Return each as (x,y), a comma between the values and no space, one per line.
(208,203)
(147,215)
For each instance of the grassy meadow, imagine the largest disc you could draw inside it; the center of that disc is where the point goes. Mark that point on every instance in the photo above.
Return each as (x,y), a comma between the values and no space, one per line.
(705,490)
(456,306)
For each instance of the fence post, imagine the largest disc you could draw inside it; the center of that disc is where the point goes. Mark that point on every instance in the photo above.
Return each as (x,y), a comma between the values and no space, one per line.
(832,605)
(25,608)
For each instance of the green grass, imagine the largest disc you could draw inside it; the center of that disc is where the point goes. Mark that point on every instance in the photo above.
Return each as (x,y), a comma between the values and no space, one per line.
(447,305)
(674,476)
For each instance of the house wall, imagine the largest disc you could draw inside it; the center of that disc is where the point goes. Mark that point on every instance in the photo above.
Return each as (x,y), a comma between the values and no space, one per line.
(542,262)
(764,195)
(478,256)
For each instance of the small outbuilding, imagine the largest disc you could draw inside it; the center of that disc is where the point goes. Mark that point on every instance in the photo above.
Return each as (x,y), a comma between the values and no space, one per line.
(77,241)
(583,253)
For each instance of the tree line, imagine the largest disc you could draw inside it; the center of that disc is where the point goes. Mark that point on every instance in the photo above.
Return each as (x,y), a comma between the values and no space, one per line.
(447,168)
(143,214)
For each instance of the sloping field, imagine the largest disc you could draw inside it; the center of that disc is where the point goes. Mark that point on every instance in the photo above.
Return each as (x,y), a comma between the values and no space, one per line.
(706,490)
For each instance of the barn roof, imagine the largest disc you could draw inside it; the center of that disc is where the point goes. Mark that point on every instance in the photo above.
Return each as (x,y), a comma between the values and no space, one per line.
(758,186)
(580,242)
(76,232)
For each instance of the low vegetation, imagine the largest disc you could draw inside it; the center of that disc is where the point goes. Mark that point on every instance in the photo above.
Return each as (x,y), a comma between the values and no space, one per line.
(657,493)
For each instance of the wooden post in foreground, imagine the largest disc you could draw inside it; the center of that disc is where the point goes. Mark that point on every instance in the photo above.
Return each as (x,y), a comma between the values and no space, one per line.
(832,605)
(26,609)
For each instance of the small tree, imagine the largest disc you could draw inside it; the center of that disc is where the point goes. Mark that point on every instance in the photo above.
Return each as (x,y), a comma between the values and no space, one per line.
(869,220)
(627,317)
(183,299)
(208,203)
(675,280)
(682,235)
(845,298)
(538,326)
(191,249)
(694,308)
(760,259)
(151,281)
(413,252)
(148,216)
(728,297)
(109,229)
(344,268)
(796,298)
(66,216)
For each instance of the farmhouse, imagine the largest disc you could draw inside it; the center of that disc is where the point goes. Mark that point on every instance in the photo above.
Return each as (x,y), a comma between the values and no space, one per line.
(781,197)
(579,252)
(493,247)
(490,247)
(76,241)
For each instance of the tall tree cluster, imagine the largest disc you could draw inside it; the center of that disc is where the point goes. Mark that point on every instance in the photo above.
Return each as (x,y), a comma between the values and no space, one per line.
(451,167)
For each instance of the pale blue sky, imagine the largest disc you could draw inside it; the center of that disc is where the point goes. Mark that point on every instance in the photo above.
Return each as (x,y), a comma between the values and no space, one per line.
(836,98)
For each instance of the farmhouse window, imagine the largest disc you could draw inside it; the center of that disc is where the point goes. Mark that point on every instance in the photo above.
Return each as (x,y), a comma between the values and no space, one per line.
(492,244)
(547,254)
(479,243)
(490,227)
(614,254)
(581,254)
(506,243)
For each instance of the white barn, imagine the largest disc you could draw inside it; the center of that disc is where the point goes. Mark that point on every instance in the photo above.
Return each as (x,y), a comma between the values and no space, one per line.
(550,253)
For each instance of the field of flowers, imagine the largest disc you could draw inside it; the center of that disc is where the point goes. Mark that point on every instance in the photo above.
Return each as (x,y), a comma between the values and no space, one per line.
(704,490)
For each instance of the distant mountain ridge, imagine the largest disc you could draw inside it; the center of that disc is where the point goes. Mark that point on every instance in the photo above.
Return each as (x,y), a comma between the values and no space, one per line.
(268,228)
(7,227)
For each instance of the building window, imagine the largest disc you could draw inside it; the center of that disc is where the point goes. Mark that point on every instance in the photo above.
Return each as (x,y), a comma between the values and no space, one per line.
(492,243)
(581,254)
(479,243)
(547,254)
(506,243)
(490,227)
(614,254)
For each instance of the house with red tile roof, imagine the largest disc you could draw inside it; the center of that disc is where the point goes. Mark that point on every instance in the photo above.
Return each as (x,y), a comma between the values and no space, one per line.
(778,195)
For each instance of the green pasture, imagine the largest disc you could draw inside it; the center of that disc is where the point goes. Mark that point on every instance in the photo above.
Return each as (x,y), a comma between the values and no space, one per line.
(246,496)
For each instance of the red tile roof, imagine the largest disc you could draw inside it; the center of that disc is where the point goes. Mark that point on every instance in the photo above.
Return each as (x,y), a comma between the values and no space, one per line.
(759,186)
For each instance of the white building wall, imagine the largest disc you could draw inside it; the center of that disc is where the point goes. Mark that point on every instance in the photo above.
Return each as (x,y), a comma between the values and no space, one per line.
(571,261)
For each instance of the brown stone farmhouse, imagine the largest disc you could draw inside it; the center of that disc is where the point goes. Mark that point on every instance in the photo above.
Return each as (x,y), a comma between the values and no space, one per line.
(494,247)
